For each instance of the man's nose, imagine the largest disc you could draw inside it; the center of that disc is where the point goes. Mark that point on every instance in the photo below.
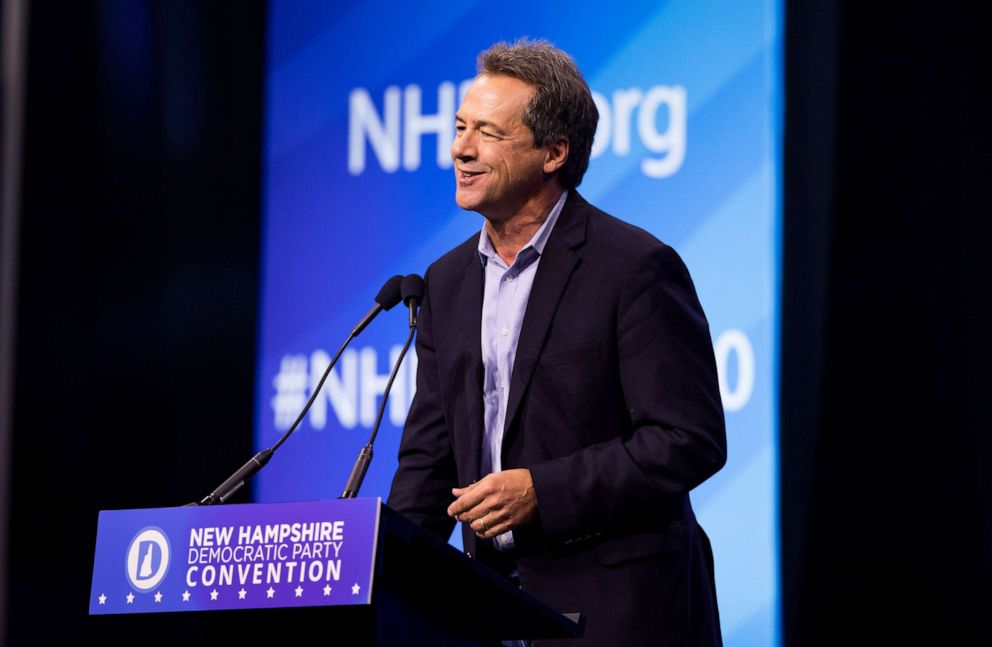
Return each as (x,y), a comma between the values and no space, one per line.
(463,147)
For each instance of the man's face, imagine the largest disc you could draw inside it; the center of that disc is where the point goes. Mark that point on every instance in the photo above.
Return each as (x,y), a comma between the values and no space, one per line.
(497,168)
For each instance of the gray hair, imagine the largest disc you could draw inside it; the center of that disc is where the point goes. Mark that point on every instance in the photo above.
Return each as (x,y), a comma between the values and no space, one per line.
(562,105)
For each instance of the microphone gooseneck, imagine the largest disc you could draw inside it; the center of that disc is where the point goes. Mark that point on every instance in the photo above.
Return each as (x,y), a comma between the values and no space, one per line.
(389,296)
(412,291)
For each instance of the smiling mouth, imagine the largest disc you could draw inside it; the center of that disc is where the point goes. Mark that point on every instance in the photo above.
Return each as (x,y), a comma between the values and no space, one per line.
(465,176)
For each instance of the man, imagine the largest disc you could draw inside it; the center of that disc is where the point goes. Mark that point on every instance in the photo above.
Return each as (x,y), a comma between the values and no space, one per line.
(567,397)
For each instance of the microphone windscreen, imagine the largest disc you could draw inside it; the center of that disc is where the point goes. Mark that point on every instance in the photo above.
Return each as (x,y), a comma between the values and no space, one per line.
(390,295)
(412,289)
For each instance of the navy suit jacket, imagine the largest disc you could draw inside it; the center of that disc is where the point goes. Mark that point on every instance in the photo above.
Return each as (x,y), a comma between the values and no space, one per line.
(614,408)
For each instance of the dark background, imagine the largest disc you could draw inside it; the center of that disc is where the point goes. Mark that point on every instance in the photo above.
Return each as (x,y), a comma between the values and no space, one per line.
(138,272)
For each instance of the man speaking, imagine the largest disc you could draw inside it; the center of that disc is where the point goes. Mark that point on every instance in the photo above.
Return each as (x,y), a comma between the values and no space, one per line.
(567,397)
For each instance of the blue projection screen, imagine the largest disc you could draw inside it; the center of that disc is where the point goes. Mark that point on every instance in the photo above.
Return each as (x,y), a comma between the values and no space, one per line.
(358,186)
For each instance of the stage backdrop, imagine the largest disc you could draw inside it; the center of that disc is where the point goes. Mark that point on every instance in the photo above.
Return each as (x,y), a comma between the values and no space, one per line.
(358,186)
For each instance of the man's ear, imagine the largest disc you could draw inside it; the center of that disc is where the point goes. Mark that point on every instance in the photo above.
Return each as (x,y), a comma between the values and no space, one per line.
(557,154)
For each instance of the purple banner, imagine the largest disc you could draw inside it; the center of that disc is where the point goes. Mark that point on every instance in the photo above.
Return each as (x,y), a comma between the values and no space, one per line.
(314,553)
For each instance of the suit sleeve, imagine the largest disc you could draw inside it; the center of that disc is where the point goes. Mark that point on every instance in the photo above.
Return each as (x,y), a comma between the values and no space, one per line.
(421,488)
(676,438)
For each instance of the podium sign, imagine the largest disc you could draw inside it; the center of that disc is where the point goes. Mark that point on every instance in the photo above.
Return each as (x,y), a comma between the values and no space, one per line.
(315,553)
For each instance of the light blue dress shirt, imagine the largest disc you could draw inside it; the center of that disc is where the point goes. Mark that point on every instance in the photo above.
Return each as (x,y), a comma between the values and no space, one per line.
(503,305)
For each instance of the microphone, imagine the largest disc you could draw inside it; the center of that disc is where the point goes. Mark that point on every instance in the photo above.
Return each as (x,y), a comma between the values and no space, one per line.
(412,291)
(389,296)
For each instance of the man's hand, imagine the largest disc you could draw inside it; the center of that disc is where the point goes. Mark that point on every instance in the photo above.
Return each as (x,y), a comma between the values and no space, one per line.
(500,502)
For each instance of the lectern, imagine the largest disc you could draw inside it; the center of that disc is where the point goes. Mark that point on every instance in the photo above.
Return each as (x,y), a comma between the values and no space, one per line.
(367,572)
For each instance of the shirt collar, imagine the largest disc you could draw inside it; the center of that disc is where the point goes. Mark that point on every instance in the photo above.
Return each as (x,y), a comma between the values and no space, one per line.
(537,241)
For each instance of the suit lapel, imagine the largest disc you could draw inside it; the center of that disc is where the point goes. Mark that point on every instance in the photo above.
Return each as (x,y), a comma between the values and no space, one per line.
(468,329)
(557,263)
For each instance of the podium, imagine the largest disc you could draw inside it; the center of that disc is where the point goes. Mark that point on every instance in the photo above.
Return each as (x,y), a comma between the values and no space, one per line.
(378,578)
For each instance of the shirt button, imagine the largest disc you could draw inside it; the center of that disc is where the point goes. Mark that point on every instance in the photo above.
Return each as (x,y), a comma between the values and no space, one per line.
(505,331)
(509,278)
